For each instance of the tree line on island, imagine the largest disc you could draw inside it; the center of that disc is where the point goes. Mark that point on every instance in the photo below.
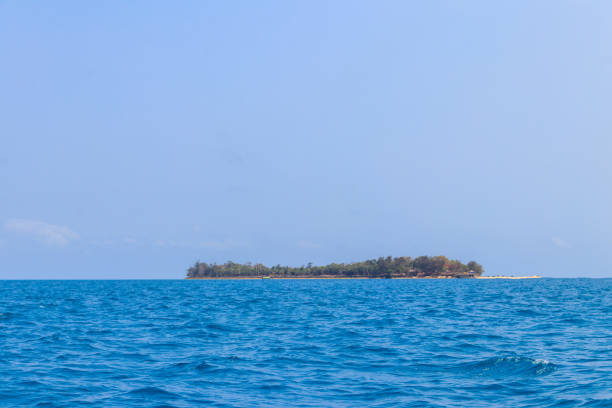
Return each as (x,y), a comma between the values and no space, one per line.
(389,267)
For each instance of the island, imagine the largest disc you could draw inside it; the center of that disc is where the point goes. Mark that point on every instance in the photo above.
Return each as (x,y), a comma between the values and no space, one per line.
(403,267)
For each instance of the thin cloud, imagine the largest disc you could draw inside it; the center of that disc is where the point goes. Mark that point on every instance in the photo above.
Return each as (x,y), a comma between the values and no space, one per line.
(560,242)
(49,234)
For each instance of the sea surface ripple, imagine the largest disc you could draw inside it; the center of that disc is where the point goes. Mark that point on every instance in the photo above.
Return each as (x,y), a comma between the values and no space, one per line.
(307,343)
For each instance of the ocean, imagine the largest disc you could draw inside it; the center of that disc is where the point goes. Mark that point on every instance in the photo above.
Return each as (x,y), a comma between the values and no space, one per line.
(307,343)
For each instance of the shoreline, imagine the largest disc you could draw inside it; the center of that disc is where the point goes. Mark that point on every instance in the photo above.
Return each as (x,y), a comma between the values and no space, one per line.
(358,277)
(509,277)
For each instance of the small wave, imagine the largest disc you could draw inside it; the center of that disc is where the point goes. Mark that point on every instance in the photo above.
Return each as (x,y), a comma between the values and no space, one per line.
(7,315)
(204,366)
(598,403)
(374,350)
(219,327)
(273,387)
(375,322)
(478,336)
(135,356)
(98,332)
(572,319)
(153,392)
(510,366)
(31,383)
(50,338)
(528,312)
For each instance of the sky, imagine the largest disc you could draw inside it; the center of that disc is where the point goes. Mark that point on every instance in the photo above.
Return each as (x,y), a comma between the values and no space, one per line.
(138,137)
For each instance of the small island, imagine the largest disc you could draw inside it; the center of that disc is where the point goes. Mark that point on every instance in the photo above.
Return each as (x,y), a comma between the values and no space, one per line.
(403,267)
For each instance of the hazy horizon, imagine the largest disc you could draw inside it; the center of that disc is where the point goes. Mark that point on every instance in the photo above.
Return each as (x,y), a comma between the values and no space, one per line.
(140,137)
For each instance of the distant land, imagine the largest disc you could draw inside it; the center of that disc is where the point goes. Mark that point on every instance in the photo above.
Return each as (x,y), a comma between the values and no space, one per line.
(382,268)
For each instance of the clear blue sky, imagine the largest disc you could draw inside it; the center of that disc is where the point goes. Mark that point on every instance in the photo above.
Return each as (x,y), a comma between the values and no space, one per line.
(138,137)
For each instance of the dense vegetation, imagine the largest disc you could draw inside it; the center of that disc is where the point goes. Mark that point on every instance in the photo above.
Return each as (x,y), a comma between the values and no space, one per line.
(401,267)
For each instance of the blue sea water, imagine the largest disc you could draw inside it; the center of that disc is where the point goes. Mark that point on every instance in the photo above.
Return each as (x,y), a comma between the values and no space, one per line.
(307,343)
